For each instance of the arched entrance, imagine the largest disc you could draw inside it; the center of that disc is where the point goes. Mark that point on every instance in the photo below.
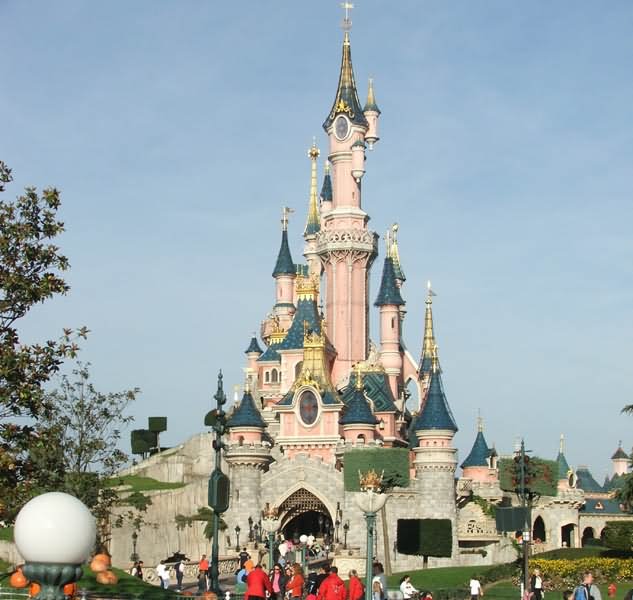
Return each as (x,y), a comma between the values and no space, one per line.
(303,513)
(567,535)
(588,536)
(538,532)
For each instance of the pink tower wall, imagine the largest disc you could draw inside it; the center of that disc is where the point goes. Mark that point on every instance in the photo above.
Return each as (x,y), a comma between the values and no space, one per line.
(390,356)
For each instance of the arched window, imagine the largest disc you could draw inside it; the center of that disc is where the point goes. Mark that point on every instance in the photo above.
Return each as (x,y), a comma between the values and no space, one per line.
(393,322)
(588,536)
(240,440)
(360,439)
(298,368)
(538,531)
(274,376)
(267,377)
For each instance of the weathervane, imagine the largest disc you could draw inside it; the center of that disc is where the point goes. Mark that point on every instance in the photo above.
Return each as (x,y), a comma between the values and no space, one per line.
(285,212)
(347,22)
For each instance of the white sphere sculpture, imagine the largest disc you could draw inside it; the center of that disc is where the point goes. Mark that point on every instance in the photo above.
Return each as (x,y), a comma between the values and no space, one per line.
(55,528)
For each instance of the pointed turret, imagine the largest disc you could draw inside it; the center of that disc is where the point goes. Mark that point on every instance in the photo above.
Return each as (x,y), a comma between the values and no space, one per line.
(307,317)
(436,414)
(253,347)
(389,294)
(480,453)
(372,112)
(284,264)
(313,223)
(586,482)
(346,100)
(246,414)
(428,345)
(357,409)
(394,254)
(563,465)
(620,460)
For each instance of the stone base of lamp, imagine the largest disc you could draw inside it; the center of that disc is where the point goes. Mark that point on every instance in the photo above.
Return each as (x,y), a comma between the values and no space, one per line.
(52,578)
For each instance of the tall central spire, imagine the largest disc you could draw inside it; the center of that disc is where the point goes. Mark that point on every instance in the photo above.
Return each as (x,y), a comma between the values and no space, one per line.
(346,100)
(428,345)
(313,224)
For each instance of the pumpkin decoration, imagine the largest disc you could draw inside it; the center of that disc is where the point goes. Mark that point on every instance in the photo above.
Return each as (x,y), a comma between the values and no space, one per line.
(17,579)
(103,557)
(98,566)
(112,578)
(70,589)
(34,589)
(107,578)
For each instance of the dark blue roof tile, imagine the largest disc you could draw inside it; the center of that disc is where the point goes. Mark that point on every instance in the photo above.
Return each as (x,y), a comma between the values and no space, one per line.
(436,413)
(479,453)
(284,264)
(246,414)
(357,410)
(389,294)
(253,346)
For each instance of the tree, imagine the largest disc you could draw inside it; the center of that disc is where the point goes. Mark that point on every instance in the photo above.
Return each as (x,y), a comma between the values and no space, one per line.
(30,273)
(204,514)
(618,535)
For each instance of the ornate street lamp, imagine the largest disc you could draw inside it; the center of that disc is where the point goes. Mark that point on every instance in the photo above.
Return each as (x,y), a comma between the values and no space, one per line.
(53,550)
(250,529)
(337,524)
(256,530)
(271,524)
(370,500)
(345,530)
(134,556)
(321,519)
(237,538)
(219,483)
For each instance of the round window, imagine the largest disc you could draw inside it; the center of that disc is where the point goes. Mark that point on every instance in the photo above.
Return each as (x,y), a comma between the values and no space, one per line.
(308,407)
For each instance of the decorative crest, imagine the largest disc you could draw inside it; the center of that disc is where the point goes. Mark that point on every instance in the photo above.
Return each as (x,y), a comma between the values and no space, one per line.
(370,481)
(270,512)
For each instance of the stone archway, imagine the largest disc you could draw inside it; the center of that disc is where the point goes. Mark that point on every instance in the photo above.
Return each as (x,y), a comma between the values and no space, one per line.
(567,535)
(588,536)
(538,530)
(302,512)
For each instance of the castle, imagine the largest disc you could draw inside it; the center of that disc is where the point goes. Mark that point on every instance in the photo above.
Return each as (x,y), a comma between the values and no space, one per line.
(317,387)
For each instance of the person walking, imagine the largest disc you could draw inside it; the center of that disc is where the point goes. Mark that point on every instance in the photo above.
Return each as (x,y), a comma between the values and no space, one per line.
(406,587)
(332,587)
(180,573)
(243,556)
(476,591)
(163,575)
(536,585)
(278,580)
(356,589)
(587,590)
(381,579)
(294,588)
(257,584)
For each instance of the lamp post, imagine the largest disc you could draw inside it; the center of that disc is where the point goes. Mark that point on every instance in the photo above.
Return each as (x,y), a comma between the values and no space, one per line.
(237,538)
(345,530)
(134,556)
(250,529)
(219,484)
(320,519)
(370,500)
(256,530)
(53,551)
(337,524)
(271,524)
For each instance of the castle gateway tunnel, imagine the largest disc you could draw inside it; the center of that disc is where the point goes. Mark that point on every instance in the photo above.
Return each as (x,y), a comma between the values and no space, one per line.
(303,513)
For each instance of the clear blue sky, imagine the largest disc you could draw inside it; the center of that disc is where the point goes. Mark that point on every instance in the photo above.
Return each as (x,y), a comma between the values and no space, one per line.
(177,130)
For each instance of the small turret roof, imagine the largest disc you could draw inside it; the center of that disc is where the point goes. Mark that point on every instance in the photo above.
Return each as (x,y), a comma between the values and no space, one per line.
(479,453)
(376,388)
(371,99)
(326,188)
(563,466)
(620,453)
(284,264)
(270,355)
(357,410)
(586,482)
(253,346)
(346,100)
(389,294)
(246,414)
(436,413)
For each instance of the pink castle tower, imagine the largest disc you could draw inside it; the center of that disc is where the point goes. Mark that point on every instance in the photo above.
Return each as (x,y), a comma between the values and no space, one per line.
(345,245)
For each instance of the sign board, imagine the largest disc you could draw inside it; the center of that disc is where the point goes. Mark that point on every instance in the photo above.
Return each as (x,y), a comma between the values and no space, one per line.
(219,491)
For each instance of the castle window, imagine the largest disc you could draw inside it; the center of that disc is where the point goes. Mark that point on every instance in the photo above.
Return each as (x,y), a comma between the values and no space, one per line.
(298,368)
(274,376)
(267,378)
(393,322)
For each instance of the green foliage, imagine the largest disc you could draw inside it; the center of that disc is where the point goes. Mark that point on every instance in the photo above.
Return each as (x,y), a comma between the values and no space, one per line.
(204,514)
(489,509)
(542,476)
(618,535)
(142,484)
(425,537)
(6,534)
(393,461)
(574,553)
(440,578)
(624,491)
(142,441)
(157,424)
(31,268)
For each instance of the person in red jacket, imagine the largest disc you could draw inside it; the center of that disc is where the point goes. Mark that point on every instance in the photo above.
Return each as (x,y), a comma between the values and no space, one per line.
(356,588)
(257,584)
(332,587)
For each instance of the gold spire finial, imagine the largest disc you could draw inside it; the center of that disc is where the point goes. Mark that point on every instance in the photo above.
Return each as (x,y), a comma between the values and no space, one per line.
(286,211)
(371,100)
(347,21)
(429,335)
(359,376)
(480,422)
(312,223)
(434,357)
(561,447)
(327,167)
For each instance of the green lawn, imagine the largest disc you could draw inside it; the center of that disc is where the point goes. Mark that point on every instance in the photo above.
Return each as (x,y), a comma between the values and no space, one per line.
(504,590)
(441,578)
(143,484)
(6,534)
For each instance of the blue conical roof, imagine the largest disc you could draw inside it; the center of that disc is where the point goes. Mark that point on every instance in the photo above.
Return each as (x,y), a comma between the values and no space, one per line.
(357,410)
(436,413)
(271,354)
(619,454)
(326,189)
(479,453)
(246,414)
(307,310)
(586,482)
(389,294)
(284,264)
(563,466)
(253,346)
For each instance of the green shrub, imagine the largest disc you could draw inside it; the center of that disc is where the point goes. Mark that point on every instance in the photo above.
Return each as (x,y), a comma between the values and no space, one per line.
(425,537)
(618,535)
(393,461)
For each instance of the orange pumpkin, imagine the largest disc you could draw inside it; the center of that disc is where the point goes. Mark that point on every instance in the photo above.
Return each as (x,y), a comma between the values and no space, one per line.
(107,578)
(70,589)
(34,589)
(98,566)
(103,557)
(17,579)
(112,578)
